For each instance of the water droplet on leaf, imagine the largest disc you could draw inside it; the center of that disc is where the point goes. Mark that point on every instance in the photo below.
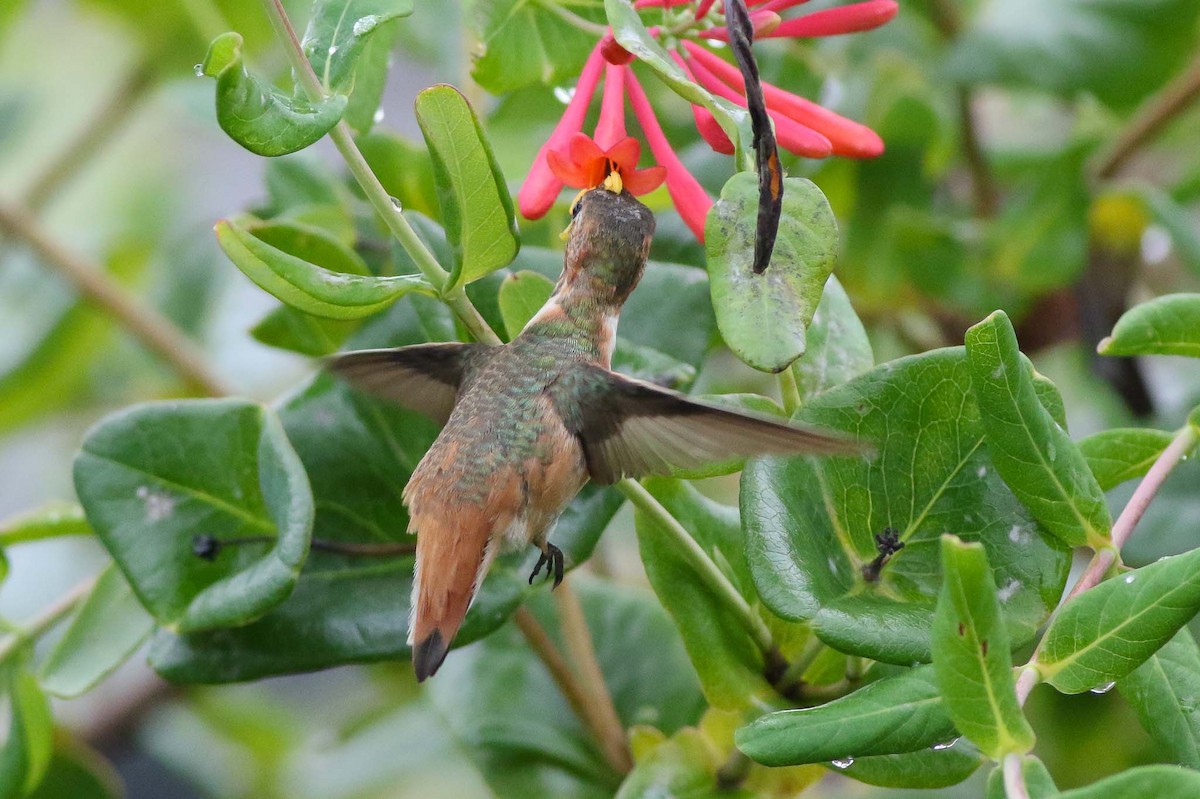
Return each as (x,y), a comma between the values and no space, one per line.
(1129,578)
(1103,689)
(378,116)
(396,204)
(946,745)
(199,70)
(843,762)
(564,93)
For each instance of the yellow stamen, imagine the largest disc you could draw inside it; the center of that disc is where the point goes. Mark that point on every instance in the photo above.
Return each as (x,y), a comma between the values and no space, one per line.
(614,183)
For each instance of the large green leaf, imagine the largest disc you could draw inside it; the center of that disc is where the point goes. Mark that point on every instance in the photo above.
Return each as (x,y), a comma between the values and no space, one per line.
(764,317)
(477,210)
(836,345)
(264,120)
(897,714)
(1108,631)
(1121,454)
(1167,325)
(522,43)
(106,630)
(730,664)
(512,721)
(1032,453)
(307,286)
(971,654)
(76,772)
(1117,49)
(155,477)
(1164,692)
(30,743)
(404,168)
(810,524)
(1159,782)
(338,32)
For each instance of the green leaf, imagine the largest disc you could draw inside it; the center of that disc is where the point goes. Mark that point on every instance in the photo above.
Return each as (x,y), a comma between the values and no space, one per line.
(404,168)
(1122,454)
(971,654)
(1163,692)
(1108,631)
(1118,50)
(647,363)
(26,754)
(484,694)
(154,477)
(836,345)
(307,286)
(923,769)
(106,630)
(810,523)
(764,318)
(522,294)
(1038,781)
(520,43)
(1160,782)
(339,31)
(632,34)
(76,772)
(730,664)
(1032,453)
(370,79)
(290,328)
(893,715)
(681,766)
(477,210)
(1167,325)
(49,521)
(261,119)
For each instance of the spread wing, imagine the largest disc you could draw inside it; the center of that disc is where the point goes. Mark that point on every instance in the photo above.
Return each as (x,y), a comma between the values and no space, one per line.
(630,428)
(423,377)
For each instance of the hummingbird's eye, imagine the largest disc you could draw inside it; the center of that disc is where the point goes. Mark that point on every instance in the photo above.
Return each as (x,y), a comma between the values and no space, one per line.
(575,208)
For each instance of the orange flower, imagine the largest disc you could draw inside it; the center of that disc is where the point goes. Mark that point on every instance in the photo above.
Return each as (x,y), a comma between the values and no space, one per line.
(584,165)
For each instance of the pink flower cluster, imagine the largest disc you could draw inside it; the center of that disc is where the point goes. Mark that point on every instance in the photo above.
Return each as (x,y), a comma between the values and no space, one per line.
(572,158)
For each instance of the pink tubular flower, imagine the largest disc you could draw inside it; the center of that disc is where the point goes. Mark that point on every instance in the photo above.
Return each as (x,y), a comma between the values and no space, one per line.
(846,137)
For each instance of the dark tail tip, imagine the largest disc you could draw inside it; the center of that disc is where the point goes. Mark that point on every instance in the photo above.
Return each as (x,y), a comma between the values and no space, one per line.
(429,654)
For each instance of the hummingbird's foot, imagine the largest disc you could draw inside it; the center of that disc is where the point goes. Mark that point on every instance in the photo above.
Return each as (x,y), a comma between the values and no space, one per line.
(552,559)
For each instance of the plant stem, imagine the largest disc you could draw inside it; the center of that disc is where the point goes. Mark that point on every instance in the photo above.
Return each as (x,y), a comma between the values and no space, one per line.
(1150,118)
(983,184)
(582,653)
(795,670)
(703,565)
(112,114)
(391,215)
(1184,441)
(574,692)
(790,391)
(1014,777)
(152,329)
(51,615)
(572,19)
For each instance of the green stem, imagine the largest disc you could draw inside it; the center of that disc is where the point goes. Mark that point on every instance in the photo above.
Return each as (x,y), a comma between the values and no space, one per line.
(790,391)
(795,671)
(54,613)
(573,19)
(343,139)
(703,565)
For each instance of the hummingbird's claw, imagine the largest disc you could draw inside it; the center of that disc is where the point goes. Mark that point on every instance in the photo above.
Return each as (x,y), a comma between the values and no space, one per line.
(552,559)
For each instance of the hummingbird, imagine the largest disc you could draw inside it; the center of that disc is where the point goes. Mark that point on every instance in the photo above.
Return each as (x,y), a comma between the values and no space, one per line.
(528,423)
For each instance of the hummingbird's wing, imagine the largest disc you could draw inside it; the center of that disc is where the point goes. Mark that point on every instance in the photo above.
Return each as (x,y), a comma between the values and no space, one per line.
(630,428)
(423,377)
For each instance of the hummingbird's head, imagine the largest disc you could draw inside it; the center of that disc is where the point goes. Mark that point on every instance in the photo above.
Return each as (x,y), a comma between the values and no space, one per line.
(607,244)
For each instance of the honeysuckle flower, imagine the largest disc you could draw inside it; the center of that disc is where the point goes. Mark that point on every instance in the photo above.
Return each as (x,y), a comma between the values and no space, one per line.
(572,158)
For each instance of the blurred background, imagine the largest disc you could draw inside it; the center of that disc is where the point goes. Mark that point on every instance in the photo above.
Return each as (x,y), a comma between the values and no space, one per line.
(1004,185)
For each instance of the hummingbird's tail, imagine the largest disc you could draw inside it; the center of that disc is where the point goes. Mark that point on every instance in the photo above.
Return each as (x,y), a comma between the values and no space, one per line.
(454,551)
